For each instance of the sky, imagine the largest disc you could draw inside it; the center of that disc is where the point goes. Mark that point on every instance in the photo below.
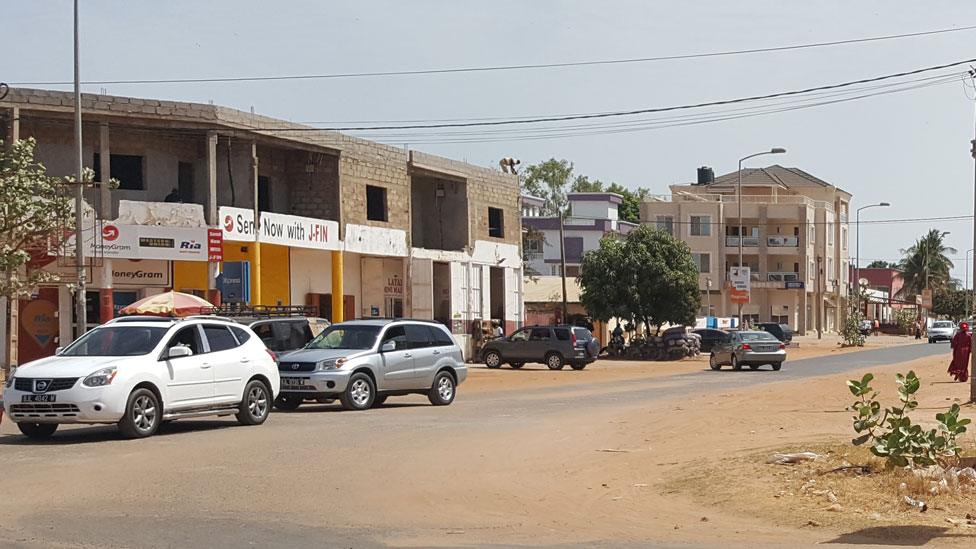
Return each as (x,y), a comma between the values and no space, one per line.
(910,149)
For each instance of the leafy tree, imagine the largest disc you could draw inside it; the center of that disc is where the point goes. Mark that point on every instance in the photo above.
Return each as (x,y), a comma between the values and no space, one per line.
(926,264)
(583,184)
(548,181)
(950,302)
(34,211)
(630,209)
(649,276)
(881,264)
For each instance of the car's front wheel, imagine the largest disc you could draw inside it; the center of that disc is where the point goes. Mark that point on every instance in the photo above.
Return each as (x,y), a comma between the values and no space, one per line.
(359,393)
(493,359)
(143,414)
(256,404)
(37,431)
(443,390)
(288,403)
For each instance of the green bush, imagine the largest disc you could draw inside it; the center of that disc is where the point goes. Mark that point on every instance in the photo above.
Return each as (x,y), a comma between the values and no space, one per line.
(892,434)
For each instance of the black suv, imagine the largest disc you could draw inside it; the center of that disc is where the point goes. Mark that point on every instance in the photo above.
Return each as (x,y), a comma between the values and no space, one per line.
(781,332)
(554,346)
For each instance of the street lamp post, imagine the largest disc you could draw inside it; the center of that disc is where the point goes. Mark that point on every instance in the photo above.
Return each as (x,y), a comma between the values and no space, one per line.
(857,247)
(966,287)
(775,150)
(708,297)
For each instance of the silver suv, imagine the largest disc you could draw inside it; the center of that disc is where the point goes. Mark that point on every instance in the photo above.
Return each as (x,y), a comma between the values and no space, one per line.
(362,362)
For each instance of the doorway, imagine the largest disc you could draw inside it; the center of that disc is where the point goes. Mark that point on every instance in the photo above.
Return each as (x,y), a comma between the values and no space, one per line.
(496,289)
(442,293)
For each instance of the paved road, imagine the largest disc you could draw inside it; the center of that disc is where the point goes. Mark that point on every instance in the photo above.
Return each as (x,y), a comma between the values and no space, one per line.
(212,483)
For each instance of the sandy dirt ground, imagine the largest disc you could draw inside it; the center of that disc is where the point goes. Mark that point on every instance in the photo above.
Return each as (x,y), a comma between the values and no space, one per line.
(517,460)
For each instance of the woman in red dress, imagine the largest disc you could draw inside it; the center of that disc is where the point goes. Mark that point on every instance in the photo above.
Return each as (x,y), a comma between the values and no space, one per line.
(961,346)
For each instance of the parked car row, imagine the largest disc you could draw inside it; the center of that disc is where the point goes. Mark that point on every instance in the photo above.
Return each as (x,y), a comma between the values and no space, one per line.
(137,372)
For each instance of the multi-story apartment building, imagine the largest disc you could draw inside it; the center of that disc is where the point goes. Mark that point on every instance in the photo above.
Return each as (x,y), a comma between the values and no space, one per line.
(794,233)
(354,227)
(591,217)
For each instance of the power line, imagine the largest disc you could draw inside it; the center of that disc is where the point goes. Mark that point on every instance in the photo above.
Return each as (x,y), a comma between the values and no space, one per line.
(455,70)
(633,112)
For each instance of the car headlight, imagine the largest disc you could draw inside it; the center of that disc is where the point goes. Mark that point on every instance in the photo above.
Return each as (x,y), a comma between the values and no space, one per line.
(100,378)
(330,364)
(10,379)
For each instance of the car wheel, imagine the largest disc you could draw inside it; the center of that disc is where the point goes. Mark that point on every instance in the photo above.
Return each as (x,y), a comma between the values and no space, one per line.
(443,390)
(288,403)
(256,404)
(753,367)
(777,366)
(37,431)
(324,400)
(516,365)
(142,414)
(713,362)
(493,359)
(578,365)
(931,340)
(359,394)
(735,364)
(555,361)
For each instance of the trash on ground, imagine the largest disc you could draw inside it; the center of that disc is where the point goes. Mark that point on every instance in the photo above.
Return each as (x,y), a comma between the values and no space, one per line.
(791,459)
(916,503)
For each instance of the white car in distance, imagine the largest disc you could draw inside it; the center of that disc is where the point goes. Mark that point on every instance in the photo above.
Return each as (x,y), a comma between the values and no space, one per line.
(137,372)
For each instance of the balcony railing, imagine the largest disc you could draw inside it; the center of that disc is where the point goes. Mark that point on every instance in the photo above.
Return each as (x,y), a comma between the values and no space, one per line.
(782,277)
(747,241)
(782,241)
(685,196)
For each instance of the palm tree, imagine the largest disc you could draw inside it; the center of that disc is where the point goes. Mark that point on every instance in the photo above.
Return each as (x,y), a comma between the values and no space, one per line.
(926,264)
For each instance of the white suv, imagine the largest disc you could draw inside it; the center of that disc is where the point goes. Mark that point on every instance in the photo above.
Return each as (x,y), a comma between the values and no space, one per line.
(139,371)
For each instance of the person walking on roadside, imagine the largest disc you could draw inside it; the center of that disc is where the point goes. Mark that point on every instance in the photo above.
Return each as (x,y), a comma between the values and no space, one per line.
(961,344)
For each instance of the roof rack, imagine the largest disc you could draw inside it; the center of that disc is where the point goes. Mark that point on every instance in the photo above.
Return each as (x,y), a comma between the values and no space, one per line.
(143,318)
(262,311)
(398,319)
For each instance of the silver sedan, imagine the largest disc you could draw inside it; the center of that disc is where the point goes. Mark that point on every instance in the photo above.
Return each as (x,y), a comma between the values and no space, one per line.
(751,349)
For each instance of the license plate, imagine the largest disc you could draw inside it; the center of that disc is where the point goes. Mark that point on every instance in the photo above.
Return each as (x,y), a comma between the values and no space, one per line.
(298,383)
(39,398)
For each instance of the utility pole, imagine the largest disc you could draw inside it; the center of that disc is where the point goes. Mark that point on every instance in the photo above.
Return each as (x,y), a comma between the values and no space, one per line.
(972,356)
(80,293)
(256,275)
(819,298)
(562,265)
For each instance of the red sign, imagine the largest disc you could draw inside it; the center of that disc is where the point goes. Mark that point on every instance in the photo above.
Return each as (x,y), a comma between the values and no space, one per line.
(110,232)
(215,245)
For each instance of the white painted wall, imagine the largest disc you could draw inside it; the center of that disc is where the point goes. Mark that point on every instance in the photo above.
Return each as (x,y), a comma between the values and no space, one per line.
(422,291)
(311,273)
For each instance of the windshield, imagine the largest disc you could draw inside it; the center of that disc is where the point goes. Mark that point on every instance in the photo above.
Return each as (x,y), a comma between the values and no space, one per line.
(117,341)
(943,325)
(346,337)
(758,336)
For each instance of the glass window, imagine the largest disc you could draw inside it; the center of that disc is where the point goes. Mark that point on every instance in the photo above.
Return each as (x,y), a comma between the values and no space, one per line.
(339,336)
(418,336)
(666,223)
(521,335)
(290,335)
(219,338)
(703,262)
(582,334)
(439,337)
(539,334)
(562,334)
(265,333)
(757,336)
(701,225)
(376,203)
(496,223)
(397,335)
(189,337)
(117,341)
(241,334)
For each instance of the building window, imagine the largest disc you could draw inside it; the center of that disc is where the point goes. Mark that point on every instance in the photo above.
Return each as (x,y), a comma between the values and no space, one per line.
(843,237)
(533,245)
(701,225)
(703,262)
(126,168)
(830,233)
(666,223)
(376,203)
(496,223)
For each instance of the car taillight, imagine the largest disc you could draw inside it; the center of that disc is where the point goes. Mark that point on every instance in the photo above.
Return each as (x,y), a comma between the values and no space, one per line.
(272,354)
(746,347)
(782,346)
(572,337)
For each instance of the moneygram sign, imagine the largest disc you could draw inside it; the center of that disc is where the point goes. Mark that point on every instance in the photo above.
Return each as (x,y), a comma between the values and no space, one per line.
(145,242)
(237,224)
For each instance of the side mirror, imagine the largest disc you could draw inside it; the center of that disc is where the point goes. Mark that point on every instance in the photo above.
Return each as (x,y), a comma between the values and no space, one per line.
(388,347)
(179,351)
(58,351)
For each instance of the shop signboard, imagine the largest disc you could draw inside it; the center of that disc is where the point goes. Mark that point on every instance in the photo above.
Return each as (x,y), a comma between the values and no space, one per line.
(145,242)
(741,284)
(235,282)
(927,298)
(140,274)
(215,245)
(794,285)
(237,224)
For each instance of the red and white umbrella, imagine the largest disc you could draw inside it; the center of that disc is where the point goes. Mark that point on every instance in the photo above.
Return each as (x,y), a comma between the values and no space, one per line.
(169,304)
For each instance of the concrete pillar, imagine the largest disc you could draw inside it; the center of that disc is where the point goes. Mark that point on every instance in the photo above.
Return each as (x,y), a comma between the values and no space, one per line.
(212,221)
(256,271)
(338,305)
(105,294)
